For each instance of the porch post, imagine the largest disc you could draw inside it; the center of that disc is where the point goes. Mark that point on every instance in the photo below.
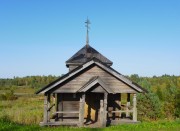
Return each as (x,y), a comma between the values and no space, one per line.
(127,105)
(120,105)
(46,108)
(105,109)
(54,103)
(101,116)
(134,108)
(81,111)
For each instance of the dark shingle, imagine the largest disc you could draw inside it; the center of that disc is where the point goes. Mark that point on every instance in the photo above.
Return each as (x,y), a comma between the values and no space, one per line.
(85,54)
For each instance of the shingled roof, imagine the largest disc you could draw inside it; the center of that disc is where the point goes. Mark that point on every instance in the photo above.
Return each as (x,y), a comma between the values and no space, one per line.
(85,54)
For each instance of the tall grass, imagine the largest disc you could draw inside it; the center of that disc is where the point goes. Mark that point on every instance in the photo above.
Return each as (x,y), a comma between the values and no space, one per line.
(24,110)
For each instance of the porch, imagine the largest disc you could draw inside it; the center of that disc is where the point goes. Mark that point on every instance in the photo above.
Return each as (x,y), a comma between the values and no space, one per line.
(88,109)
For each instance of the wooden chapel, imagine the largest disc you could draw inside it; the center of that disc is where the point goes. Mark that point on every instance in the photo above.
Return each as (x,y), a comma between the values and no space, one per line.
(90,93)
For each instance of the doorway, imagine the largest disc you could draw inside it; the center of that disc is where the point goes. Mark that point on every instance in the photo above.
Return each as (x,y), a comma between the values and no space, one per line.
(92,107)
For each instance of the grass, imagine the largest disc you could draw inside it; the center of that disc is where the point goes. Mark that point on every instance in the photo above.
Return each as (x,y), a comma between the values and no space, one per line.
(24,110)
(25,113)
(153,126)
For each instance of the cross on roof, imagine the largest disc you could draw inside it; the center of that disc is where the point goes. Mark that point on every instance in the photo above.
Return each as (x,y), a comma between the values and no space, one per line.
(87,35)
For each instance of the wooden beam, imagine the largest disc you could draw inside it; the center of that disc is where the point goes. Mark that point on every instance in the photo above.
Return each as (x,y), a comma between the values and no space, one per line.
(105,109)
(120,105)
(81,110)
(121,111)
(66,112)
(46,108)
(101,115)
(54,102)
(134,108)
(127,105)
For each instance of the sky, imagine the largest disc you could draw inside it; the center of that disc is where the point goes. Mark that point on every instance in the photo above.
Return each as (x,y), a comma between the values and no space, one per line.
(140,36)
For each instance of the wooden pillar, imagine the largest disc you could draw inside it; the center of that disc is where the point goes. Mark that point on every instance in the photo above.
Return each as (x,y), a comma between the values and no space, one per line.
(128,105)
(81,111)
(54,103)
(105,109)
(118,102)
(46,108)
(134,108)
(56,106)
(101,114)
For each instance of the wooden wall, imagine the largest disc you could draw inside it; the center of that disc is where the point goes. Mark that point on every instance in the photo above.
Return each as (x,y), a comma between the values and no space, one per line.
(79,80)
(68,102)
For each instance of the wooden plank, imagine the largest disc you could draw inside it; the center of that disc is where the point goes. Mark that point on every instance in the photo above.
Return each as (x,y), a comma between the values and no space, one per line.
(69,123)
(101,114)
(120,111)
(81,111)
(105,109)
(48,107)
(45,119)
(66,112)
(134,108)
(79,81)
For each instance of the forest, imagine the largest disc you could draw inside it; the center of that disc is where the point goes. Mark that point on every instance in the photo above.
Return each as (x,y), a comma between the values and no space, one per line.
(162,102)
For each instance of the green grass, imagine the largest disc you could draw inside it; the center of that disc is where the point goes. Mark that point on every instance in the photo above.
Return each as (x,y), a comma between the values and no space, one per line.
(25,113)
(151,126)
(24,110)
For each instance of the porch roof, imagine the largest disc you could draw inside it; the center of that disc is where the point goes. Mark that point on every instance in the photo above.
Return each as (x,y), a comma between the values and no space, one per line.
(92,82)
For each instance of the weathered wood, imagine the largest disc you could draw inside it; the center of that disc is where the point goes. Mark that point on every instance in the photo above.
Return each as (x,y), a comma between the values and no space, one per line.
(67,123)
(66,112)
(134,108)
(81,111)
(54,103)
(45,120)
(120,111)
(112,82)
(46,108)
(67,103)
(101,114)
(128,105)
(98,89)
(120,105)
(105,109)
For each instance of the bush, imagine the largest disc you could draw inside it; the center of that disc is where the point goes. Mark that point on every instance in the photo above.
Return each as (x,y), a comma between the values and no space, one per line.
(149,106)
(8,96)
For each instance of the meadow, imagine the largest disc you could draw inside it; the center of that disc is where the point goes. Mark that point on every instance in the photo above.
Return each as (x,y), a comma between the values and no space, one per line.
(21,109)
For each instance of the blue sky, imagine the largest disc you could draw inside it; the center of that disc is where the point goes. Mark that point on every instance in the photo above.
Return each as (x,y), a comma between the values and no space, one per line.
(139,36)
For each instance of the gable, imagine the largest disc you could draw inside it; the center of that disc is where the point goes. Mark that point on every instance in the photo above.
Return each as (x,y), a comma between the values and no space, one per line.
(92,68)
(116,85)
(95,84)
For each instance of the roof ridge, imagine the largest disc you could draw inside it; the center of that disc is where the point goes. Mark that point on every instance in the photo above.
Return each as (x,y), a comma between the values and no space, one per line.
(85,54)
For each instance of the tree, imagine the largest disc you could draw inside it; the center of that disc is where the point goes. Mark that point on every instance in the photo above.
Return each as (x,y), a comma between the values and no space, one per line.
(149,105)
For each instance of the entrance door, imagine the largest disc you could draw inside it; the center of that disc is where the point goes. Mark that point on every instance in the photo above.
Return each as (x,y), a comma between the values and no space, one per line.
(92,107)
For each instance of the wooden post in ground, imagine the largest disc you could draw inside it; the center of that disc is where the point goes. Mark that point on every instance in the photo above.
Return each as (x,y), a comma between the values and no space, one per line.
(101,116)
(46,108)
(81,111)
(118,102)
(120,105)
(54,103)
(134,108)
(105,109)
(128,105)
